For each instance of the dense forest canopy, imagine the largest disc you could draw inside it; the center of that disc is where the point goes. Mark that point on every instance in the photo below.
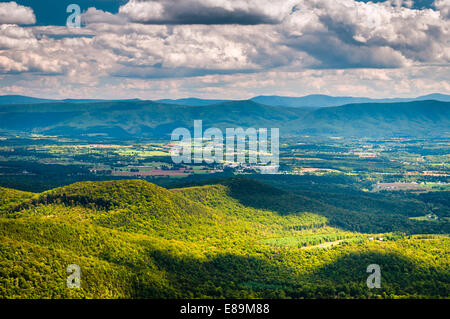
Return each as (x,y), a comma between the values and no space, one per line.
(233,238)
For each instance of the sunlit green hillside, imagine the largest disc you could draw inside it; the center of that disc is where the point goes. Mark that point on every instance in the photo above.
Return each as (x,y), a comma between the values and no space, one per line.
(236,239)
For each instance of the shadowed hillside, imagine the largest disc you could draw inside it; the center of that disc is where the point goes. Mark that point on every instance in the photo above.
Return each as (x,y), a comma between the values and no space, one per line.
(353,213)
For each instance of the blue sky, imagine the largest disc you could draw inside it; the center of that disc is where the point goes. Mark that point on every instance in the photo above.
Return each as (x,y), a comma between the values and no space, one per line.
(48,12)
(225,48)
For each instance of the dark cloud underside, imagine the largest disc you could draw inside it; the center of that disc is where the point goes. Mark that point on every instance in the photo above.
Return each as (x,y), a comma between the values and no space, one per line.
(205,15)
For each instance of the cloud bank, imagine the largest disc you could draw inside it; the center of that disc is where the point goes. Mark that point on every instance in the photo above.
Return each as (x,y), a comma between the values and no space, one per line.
(244,12)
(163,48)
(12,13)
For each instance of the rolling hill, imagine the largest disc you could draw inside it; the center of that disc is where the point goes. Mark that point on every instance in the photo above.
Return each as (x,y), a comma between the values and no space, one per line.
(133,239)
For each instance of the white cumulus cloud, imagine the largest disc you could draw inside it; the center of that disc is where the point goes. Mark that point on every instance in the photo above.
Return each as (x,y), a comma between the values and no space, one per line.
(12,13)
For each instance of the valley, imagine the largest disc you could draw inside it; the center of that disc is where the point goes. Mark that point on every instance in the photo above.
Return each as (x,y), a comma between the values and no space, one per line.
(141,226)
(224,158)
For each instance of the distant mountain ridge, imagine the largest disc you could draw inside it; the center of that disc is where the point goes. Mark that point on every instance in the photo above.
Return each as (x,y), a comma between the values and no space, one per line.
(329,101)
(147,119)
(418,118)
(192,101)
(21,99)
(314,100)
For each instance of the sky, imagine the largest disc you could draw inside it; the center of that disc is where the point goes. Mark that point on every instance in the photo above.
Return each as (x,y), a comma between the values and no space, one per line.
(224,49)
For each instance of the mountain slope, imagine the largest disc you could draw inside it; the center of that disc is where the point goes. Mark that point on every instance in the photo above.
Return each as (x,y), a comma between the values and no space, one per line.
(143,119)
(215,244)
(140,119)
(255,200)
(421,118)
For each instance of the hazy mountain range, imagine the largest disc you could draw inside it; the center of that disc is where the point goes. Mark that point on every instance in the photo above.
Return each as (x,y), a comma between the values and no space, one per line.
(20,99)
(326,100)
(147,119)
(316,100)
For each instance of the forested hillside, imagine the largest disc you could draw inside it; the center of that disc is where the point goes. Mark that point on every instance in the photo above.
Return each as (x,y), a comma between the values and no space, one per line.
(146,119)
(234,238)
